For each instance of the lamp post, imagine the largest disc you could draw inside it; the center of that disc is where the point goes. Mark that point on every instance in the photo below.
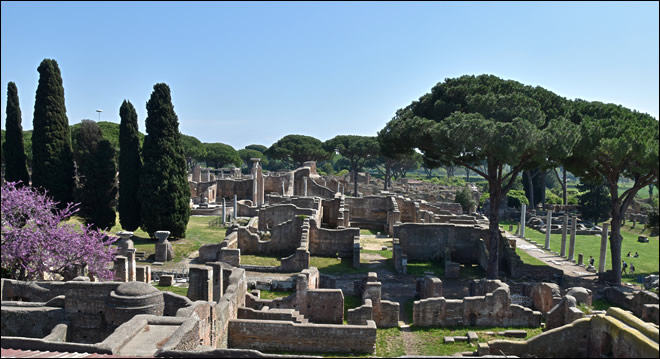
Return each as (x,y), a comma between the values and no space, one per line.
(99,111)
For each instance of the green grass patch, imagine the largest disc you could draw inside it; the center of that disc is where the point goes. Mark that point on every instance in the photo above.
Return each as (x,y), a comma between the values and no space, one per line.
(198,233)
(332,265)
(417,268)
(589,245)
(389,343)
(368,232)
(430,340)
(598,304)
(528,259)
(260,260)
(271,294)
(472,271)
(385,254)
(176,290)
(350,302)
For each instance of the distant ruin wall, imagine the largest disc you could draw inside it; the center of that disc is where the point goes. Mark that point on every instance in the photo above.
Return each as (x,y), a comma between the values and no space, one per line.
(429,241)
(329,242)
(271,335)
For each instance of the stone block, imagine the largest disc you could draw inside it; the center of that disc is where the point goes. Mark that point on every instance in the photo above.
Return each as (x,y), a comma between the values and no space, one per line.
(515,333)
(164,251)
(121,268)
(472,337)
(166,280)
(449,340)
(542,294)
(582,295)
(483,349)
(461,339)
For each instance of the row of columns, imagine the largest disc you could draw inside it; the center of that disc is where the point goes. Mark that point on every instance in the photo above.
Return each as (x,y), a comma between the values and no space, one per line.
(571,244)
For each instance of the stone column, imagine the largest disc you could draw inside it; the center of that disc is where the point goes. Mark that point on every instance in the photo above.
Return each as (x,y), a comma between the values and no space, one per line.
(121,269)
(356,252)
(548,229)
(571,245)
(235,206)
(283,193)
(564,230)
(217,280)
(305,181)
(224,212)
(580,259)
(523,212)
(197,174)
(603,249)
(130,259)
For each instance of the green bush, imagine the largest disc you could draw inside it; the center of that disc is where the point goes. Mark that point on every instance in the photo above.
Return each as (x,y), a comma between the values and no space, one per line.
(516,197)
(464,197)
(342,173)
(551,198)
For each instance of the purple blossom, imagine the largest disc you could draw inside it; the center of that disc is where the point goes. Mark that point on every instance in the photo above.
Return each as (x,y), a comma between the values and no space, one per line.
(35,238)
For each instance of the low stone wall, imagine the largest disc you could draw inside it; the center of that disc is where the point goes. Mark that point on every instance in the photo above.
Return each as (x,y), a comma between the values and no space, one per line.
(329,242)
(269,335)
(30,322)
(493,309)
(617,334)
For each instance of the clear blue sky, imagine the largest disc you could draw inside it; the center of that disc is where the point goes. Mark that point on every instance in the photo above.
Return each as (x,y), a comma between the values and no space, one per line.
(244,73)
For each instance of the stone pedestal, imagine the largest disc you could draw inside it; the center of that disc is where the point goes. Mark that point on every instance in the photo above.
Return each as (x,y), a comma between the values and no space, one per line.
(143,274)
(564,230)
(124,242)
(166,280)
(200,281)
(164,250)
(548,229)
(571,245)
(603,249)
(580,259)
(121,269)
(130,259)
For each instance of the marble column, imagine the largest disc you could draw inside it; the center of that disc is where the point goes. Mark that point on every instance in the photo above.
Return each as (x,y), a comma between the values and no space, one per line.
(523,212)
(564,230)
(571,245)
(603,249)
(548,229)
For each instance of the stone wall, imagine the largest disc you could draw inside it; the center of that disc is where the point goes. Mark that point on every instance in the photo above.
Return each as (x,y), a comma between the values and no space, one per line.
(329,242)
(617,334)
(494,309)
(228,187)
(429,241)
(269,335)
(369,212)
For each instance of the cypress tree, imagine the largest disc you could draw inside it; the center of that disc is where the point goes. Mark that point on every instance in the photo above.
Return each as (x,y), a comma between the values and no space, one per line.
(164,193)
(13,149)
(97,190)
(52,157)
(130,166)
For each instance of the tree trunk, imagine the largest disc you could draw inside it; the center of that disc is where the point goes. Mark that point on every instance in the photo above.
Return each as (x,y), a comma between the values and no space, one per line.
(467,175)
(387,174)
(532,204)
(564,185)
(355,177)
(615,234)
(494,189)
(543,189)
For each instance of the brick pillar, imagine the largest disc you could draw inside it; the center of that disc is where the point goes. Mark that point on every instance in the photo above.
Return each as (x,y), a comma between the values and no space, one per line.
(121,269)
(130,259)
(200,281)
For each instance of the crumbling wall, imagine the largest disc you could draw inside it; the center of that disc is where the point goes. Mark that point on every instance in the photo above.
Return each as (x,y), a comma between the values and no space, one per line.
(617,334)
(429,241)
(272,215)
(493,309)
(228,187)
(270,335)
(329,242)
(369,212)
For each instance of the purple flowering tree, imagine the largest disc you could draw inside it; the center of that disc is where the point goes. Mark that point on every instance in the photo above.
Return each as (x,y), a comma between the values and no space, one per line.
(36,240)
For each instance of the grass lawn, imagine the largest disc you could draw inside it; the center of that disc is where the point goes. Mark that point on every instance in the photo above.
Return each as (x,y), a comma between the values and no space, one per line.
(589,245)
(198,233)
(176,290)
(332,265)
(528,259)
(368,232)
(268,294)
(260,260)
(417,268)
(389,343)
(430,340)
(350,302)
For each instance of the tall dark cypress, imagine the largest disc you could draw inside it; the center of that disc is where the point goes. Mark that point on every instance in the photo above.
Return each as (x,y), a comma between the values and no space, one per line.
(97,189)
(13,150)
(52,157)
(130,165)
(164,193)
